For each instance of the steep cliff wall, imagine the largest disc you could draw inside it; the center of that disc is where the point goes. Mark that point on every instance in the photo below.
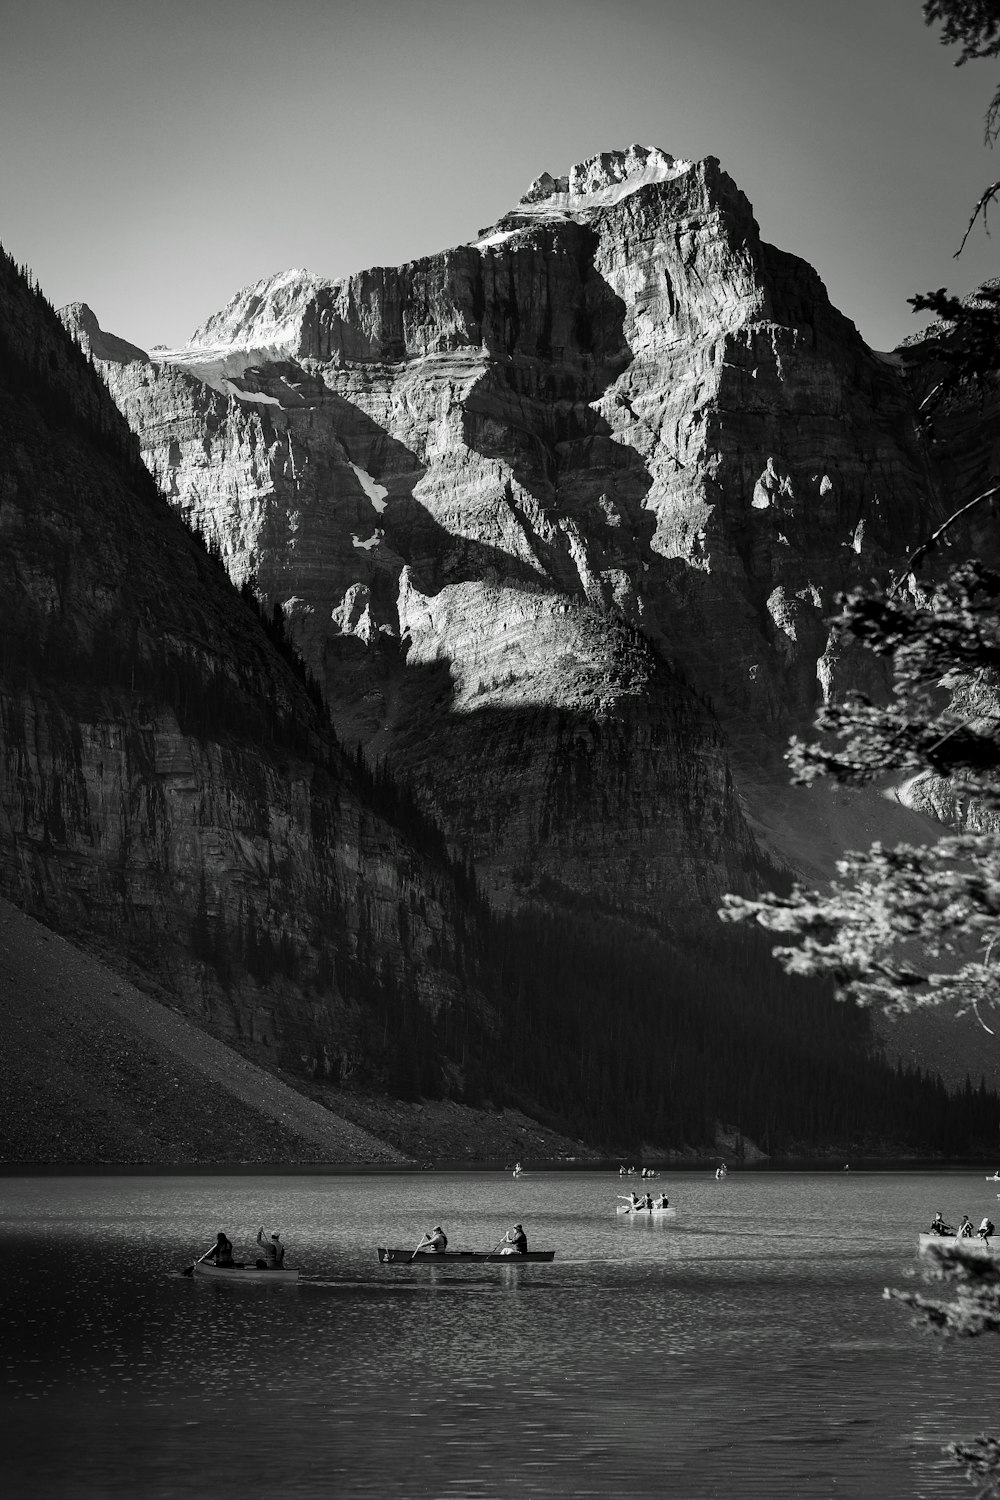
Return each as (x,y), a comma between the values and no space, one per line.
(168,787)
(520,498)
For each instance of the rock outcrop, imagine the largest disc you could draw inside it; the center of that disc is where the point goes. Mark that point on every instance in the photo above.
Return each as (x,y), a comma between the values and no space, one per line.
(529,504)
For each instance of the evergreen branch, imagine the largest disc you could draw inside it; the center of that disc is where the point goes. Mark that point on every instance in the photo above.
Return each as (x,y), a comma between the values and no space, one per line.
(980,208)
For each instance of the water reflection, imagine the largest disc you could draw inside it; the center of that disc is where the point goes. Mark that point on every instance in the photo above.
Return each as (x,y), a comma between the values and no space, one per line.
(740,1350)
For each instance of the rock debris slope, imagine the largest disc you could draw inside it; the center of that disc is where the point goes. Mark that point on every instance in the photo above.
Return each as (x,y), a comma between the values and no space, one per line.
(94,1070)
(532,505)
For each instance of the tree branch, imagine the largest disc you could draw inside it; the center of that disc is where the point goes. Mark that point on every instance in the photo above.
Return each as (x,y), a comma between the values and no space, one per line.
(916,558)
(980,208)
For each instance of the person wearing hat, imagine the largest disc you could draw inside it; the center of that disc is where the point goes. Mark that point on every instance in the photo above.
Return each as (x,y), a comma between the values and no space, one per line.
(435,1240)
(516,1241)
(274,1250)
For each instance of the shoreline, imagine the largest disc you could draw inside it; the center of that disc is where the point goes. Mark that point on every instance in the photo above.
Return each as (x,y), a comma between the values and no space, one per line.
(872,1167)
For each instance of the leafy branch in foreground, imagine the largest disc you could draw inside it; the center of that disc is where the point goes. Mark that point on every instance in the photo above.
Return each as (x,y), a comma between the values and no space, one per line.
(973,1309)
(944,647)
(975,1277)
(974,25)
(914,925)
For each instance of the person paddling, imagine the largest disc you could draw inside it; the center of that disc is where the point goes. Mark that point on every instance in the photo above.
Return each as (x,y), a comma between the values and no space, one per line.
(938,1226)
(274,1250)
(222,1251)
(434,1240)
(515,1241)
(985,1230)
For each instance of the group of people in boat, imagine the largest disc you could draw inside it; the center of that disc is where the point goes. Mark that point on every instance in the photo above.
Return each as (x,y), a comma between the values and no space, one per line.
(965,1230)
(631,1172)
(435,1242)
(640,1202)
(271,1258)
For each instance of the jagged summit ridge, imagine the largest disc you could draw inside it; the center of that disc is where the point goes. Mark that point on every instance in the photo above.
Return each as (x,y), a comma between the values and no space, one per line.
(267,313)
(605,178)
(266,320)
(261,323)
(585,190)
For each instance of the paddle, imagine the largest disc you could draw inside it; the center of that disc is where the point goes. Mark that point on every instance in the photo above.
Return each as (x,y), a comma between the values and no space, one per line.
(189,1270)
(499,1242)
(423,1241)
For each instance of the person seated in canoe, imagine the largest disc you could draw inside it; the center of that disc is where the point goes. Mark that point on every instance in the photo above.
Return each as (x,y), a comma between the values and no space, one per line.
(965,1229)
(274,1251)
(985,1230)
(222,1251)
(515,1242)
(663,1202)
(938,1226)
(434,1240)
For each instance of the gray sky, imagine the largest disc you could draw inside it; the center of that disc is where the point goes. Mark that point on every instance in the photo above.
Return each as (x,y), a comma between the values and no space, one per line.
(157,155)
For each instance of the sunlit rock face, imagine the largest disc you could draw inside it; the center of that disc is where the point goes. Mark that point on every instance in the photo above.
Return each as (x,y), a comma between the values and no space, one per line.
(535,503)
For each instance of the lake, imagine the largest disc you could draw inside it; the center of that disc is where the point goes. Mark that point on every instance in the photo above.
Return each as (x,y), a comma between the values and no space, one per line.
(743,1349)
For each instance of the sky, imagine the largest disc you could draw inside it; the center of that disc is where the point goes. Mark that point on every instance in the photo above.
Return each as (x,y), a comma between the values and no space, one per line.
(158,155)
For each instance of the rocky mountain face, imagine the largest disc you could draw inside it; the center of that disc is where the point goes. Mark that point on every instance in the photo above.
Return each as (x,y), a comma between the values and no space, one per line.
(169,790)
(556,517)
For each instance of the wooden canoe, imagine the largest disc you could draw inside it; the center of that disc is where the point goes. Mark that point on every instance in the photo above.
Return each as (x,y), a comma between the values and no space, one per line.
(460,1257)
(968,1242)
(647,1213)
(246,1273)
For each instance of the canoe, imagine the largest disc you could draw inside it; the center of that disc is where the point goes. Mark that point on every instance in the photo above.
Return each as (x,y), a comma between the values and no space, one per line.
(646,1213)
(994,1178)
(967,1242)
(246,1273)
(462,1257)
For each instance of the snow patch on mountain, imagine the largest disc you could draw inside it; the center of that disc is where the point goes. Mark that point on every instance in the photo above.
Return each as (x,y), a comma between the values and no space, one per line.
(230,389)
(376,492)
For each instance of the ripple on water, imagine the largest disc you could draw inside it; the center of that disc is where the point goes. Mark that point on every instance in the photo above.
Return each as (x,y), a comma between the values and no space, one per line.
(741,1350)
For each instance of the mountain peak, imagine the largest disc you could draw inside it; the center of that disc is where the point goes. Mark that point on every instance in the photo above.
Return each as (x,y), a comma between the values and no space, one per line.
(82,323)
(591,185)
(604,178)
(265,315)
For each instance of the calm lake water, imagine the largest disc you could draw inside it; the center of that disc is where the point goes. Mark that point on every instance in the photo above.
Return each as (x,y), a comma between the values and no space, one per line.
(743,1349)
